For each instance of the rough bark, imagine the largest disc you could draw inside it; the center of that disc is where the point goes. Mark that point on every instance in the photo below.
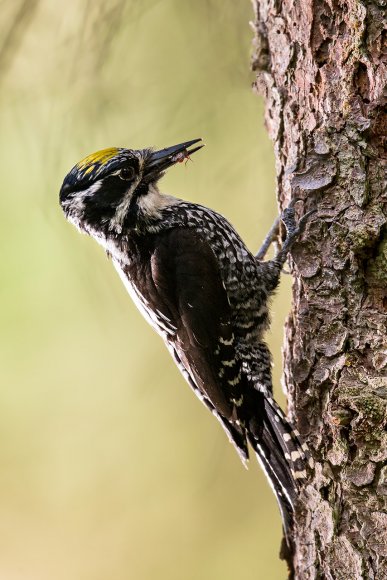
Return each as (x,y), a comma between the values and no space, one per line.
(320,65)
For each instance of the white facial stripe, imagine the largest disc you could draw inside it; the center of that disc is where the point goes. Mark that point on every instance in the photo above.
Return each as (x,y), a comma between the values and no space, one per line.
(77,200)
(117,220)
(93,188)
(75,205)
(150,204)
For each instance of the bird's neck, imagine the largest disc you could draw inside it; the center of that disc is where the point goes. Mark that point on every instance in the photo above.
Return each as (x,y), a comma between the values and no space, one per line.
(152,213)
(150,207)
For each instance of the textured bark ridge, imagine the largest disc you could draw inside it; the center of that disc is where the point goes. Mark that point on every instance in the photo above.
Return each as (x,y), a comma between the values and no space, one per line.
(321,67)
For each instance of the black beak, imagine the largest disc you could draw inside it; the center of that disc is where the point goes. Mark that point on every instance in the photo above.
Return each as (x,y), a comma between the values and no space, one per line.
(161,160)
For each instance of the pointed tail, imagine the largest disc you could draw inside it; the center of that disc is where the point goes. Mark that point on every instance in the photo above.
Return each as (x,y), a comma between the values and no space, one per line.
(282,455)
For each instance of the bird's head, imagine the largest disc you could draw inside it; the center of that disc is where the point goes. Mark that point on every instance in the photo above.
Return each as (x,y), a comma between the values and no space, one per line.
(113,188)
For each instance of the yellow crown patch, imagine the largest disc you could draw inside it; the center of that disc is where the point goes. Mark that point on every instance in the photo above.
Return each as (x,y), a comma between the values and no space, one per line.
(97,158)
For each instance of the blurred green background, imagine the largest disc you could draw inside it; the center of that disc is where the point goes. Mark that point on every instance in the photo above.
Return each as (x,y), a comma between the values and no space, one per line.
(109,465)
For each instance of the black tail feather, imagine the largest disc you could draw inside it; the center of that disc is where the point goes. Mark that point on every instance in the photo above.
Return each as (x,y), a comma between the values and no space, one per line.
(295,450)
(282,456)
(278,478)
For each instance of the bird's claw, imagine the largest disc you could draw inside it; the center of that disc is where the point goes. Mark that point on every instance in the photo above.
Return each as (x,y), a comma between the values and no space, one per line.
(288,219)
(292,232)
(305,217)
(293,229)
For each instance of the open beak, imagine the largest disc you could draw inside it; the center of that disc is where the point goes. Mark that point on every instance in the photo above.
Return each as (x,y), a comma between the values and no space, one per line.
(161,160)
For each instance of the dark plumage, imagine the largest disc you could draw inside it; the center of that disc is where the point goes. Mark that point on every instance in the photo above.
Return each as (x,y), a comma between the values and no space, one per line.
(202,290)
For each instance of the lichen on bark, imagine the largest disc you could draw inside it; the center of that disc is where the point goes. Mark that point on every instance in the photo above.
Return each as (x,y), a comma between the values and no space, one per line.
(321,68)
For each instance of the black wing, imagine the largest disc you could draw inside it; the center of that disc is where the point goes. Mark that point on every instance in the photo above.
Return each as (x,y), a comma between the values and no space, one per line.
(186,276)
(192,296)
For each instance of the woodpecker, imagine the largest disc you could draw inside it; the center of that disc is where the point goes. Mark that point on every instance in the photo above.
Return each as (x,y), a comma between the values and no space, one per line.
(202,290)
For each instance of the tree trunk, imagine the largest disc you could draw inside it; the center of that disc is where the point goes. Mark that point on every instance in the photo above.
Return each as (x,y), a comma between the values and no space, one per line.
(319,65)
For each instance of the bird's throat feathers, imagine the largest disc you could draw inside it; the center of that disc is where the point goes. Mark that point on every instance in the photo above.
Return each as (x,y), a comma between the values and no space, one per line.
(151,205)
(135,215)
(140,211)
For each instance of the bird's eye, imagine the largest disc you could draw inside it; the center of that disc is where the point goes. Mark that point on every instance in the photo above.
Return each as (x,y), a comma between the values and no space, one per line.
(126,173)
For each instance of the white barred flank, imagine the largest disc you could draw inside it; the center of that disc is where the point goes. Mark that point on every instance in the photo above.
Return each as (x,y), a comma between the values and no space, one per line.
(238,402)
(229,363)
(234,382)
(227,342)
